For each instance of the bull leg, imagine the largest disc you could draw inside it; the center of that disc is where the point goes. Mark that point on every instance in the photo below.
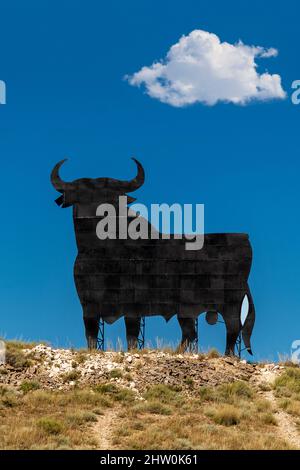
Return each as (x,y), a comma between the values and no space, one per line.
(189,333)
(91,332)
(233,328)
(132,332)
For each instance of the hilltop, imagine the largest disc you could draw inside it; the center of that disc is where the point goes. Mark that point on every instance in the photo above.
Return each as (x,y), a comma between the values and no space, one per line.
(66,399)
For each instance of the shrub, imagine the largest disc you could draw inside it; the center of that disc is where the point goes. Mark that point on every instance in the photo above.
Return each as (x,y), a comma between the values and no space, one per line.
(119,358)
(269,418)
(292,407)
(116,373)
(206,393)
(226,415)
(71,376)
(284,403)
(9,399)
(88,397)
(230,392)
(263,405)
(81,357)
(81,417)
(16,357)
(3,390)
(189,382)
(50,425)
(289,382)
(29,385)
(162,393)
(156,407)
(265,387)
(18,344)
(124,395)
(213,353)
(116,393)
(108,388)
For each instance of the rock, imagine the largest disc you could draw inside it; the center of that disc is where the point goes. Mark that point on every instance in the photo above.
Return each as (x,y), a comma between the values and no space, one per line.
(154,367)
(229,360)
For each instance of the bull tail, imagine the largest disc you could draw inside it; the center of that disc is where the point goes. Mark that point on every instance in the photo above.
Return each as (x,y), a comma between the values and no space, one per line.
(248,324)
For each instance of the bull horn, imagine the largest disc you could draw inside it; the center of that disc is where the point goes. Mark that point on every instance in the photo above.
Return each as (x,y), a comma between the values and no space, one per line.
(138,181)
(128,186)
(56,180)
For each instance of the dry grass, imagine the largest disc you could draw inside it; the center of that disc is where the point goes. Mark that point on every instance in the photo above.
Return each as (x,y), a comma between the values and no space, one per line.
(49,420)
(213,353)
(290,406)
(288,384)
(15,355)
(226,417)
(29,385)
(116,373)
(287,389)
(71,376)
(229,416)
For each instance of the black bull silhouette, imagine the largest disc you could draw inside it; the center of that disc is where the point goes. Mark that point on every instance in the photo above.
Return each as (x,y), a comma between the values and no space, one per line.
(135,278)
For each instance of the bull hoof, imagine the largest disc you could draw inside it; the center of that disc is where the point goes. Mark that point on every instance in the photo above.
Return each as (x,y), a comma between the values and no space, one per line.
(230,354)
(92,343)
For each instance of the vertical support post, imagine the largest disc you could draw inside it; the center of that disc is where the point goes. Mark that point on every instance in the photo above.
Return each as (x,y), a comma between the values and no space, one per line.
(194,345)
(238,345)
(141,337)
(100,339)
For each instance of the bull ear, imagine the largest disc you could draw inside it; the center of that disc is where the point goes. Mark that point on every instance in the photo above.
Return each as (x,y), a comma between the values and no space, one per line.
(130,199)
(60,200)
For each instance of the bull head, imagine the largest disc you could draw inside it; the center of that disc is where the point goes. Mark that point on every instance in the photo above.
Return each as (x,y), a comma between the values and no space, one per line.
(94,191)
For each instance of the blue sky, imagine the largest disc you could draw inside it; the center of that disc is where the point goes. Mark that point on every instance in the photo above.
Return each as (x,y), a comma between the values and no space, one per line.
(63,64)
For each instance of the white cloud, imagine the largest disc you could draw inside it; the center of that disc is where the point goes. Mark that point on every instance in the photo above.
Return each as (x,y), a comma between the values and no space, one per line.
(201,68)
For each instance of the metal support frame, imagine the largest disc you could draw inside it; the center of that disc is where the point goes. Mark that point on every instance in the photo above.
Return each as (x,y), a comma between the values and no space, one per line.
(193,346)
(141,337)
(100,339)
(238,345)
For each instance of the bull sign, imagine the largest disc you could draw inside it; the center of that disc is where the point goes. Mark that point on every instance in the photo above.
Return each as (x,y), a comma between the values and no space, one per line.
(142,276)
